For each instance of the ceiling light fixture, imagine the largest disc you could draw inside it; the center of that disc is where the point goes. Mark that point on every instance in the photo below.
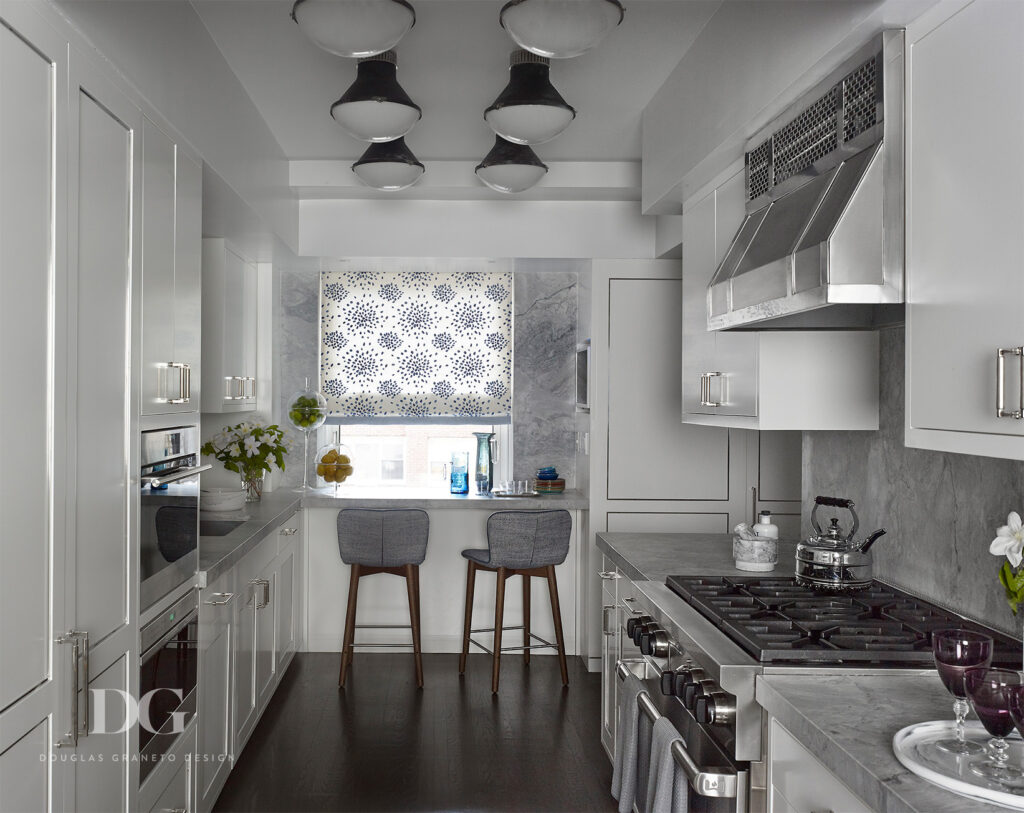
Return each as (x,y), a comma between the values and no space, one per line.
(560,29)
(354,28)
(529,110)
(376,108)
(389,166)
(510,167)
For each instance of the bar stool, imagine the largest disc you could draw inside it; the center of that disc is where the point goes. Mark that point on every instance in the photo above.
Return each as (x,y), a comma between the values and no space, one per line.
(519,543)
(383,540)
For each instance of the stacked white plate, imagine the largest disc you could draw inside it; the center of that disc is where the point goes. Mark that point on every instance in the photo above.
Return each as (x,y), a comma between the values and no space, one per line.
(221,499)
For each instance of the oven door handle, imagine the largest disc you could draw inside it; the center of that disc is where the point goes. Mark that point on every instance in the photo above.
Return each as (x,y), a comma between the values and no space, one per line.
(180,474)
(169,636)
(720,783)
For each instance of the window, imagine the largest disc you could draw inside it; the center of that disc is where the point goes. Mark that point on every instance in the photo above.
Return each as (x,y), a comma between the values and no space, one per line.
(414,455)
(416,346)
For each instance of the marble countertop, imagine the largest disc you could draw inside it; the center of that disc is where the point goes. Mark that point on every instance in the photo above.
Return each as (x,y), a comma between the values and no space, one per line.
(427,498)
(218,554)
(653,557)
(848,722)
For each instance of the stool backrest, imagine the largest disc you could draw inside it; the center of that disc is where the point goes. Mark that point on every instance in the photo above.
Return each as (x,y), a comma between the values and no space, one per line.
(524,539)
(383,537)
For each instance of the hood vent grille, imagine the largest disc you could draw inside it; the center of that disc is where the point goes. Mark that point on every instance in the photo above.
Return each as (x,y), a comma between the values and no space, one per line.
(845,111)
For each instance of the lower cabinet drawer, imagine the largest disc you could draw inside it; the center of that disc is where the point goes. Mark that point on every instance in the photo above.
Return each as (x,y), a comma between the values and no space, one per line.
(179,793)
(801,784)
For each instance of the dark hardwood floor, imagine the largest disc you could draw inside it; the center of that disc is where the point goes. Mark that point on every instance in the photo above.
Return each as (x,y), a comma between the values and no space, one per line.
(382,744)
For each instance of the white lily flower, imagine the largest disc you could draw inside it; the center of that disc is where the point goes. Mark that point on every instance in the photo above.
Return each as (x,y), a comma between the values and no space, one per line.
(1009,541)
(251,445)
(267,437)
(235,450)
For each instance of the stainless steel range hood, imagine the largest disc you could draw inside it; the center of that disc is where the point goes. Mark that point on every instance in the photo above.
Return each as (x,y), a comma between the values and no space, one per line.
(821,246)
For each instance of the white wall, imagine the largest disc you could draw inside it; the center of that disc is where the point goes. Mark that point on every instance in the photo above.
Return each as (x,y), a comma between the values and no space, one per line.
(163,49)
(750,61)
(485,228)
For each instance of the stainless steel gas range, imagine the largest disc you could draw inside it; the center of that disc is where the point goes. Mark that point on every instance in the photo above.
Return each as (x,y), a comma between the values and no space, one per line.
(700,643)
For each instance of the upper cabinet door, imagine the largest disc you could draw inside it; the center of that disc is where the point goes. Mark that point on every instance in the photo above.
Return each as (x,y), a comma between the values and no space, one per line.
(965,198)
(188,287)
(172,192)
(698,266)
(160,381)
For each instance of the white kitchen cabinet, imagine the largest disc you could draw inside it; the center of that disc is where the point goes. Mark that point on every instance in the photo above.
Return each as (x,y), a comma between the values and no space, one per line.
(229,329)
(172,198)
(781,380)
(177,790)
(610,652)
(799,783)
(216,633)
(68,159)
(965,241)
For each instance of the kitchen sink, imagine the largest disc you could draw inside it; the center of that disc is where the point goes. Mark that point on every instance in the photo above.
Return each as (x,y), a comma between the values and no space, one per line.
(218,527)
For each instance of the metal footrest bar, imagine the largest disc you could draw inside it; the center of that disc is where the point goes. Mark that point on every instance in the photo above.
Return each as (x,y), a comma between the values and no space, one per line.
(357,644)
(544,644)
(491,629)
(383,626)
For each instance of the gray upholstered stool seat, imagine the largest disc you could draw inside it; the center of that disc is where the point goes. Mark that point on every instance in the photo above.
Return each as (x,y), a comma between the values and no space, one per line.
(519,543)
(382,540)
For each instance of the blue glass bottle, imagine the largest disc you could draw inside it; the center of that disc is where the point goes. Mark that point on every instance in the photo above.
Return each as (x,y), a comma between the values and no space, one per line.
(460,473)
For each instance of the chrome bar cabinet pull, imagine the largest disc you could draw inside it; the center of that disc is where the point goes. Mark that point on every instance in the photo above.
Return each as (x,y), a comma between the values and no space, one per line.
(1001,354)
(79,641)
(705,390)
(221,600)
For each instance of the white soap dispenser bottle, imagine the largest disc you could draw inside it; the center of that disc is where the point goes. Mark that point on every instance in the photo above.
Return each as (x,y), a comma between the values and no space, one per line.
(765,527)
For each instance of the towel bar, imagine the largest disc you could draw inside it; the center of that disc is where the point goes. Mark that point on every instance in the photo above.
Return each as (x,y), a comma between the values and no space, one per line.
(720,783)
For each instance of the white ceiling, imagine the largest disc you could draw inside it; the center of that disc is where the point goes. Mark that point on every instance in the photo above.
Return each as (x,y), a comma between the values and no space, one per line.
(453,64)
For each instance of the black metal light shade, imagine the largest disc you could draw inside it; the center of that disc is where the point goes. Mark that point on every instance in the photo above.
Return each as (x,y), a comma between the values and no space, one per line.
(510,167)
(375,107)
(388,165)
(529,110)
(354,28)
(560,28)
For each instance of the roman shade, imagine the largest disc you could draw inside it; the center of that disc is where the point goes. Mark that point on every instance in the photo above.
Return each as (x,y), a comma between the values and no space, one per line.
(416,346)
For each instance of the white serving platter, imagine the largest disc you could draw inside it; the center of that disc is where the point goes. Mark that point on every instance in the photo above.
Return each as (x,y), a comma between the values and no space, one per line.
(914,746)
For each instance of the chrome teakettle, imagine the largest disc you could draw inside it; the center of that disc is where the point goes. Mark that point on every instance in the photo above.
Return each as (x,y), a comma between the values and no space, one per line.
(834,560)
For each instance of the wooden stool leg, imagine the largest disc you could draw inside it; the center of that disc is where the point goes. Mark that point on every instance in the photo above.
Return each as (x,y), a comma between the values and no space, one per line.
(556,613)
(470,582)
(350,624)
(414,619)
(499,619)
(526,618)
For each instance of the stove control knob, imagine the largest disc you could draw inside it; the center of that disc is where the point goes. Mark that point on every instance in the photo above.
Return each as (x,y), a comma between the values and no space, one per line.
(633,623)
(647,638)
(673,681)
(696,690)
(715,708)
(640,629)
(684,678)
(659,644)
(667,682)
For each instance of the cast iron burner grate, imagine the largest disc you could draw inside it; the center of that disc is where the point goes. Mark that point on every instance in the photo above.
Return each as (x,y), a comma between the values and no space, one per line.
(779,621)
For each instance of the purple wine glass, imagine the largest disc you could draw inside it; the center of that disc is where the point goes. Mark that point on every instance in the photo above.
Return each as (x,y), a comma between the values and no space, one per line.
(956,651)
(990,696)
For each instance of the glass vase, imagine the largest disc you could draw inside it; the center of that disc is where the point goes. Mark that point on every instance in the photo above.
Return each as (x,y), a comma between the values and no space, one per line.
(333,465)
(307,411)
(252,485)
(484,463)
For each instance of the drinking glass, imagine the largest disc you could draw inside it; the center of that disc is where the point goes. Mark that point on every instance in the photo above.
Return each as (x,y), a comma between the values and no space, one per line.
(989,690)
(956,651)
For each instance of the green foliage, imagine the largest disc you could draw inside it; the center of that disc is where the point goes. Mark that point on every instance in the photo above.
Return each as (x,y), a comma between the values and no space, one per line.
(249,458)
(1013,583)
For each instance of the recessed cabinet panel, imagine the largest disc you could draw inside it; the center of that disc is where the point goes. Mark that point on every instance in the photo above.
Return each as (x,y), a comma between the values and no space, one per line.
(188,235)
(698,343)
(26,341)
(651,455)
(24,772)
(229,329)
(965,235)
(664,523)
(101,771)
(102,347)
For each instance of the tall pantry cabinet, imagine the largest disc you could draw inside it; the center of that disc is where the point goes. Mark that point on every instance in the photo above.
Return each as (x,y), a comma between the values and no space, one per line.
(71,143)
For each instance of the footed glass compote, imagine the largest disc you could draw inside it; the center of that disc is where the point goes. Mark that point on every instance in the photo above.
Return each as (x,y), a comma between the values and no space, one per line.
(307,411)
(956,651)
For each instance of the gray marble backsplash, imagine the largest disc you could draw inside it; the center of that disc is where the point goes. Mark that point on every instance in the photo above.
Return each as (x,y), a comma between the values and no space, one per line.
(543,364)
(941,510)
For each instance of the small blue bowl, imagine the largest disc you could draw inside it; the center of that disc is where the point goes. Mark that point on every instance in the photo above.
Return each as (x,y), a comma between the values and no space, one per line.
(547,474)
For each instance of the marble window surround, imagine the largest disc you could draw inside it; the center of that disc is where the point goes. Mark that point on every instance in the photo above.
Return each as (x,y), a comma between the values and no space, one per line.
(941,510)
(546,311)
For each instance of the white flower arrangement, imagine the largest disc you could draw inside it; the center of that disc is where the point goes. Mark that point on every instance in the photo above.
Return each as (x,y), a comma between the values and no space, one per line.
(1009,542)
(249,448)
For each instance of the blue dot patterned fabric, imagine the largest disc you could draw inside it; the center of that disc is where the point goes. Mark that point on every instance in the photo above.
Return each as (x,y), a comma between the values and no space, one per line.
(416,344)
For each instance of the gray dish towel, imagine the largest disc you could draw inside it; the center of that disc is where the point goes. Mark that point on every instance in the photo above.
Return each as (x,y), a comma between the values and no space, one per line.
(624,764)
(667,786)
